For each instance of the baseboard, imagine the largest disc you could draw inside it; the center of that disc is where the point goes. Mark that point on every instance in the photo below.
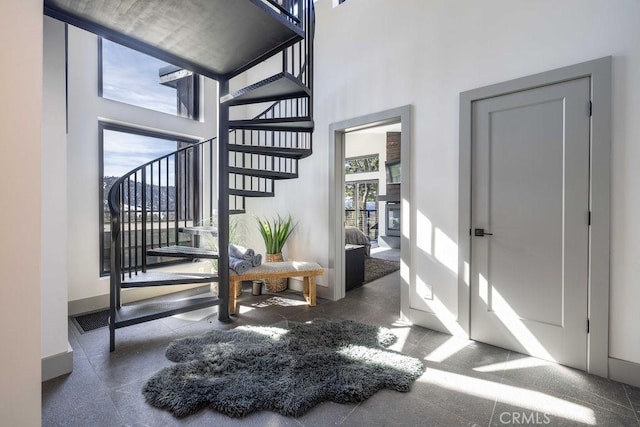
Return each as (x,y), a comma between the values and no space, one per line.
(624,371)
(100,302)
(322,290)
(88,305)
(294,284)
(57,364)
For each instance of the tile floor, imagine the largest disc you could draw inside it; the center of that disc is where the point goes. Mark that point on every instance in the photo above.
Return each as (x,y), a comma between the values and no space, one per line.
(465,383)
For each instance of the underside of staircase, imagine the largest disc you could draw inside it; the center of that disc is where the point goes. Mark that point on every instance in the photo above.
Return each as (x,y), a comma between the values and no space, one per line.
(219,39)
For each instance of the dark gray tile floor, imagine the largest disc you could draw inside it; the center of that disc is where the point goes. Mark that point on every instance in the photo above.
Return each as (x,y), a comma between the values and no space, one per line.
(465,384)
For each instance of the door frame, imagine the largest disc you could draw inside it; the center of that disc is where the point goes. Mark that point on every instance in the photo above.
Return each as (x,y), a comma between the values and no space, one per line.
(337,133)
(599,72)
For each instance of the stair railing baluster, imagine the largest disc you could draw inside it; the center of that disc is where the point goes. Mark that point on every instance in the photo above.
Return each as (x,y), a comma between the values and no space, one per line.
(176,174)
(167,198)
(135,223)
(128,258)
(144,221)
(196,213)
(210,184)
(115,262)
(185,170)
(159,206)
(121,252)
(284,60)
(151,212)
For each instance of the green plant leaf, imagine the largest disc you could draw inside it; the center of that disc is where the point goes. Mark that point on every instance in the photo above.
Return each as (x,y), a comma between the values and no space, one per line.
(275,232)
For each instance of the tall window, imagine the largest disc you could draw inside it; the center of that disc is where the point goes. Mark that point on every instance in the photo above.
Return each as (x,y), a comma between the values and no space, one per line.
(138,79)
(361,207)
(123,149)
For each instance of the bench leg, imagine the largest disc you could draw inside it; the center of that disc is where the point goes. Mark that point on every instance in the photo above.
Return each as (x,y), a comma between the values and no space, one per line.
(309,290)
(233,291)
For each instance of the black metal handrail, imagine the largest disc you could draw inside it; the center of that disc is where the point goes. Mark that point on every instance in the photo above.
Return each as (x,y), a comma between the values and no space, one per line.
(287,7)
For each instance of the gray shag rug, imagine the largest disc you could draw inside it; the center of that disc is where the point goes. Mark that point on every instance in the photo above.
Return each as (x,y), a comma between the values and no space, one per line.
(287,368)
(375,268)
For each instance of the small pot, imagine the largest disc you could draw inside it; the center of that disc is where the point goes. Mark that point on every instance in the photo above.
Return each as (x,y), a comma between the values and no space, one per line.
(256,288)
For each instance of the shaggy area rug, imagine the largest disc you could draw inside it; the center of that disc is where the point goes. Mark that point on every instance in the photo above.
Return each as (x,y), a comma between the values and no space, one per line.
(288,368)
(375,268)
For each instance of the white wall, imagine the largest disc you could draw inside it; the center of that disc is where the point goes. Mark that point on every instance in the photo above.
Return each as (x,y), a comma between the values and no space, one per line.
(20,190)
(85,111)
(424,54)
(364,143)
(54,201)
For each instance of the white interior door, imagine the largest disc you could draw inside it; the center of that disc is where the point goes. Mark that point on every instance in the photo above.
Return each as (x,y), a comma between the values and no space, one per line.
(530,189)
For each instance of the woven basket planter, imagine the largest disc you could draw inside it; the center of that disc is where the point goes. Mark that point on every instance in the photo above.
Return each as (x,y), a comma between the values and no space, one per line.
(275,285)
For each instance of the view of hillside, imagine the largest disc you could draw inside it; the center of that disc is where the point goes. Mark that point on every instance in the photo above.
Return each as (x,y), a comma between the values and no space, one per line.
(156,196)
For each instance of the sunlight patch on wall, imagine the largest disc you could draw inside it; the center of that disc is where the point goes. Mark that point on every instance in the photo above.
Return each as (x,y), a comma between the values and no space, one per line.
(517,396)
(446,251)
(445,317)
(423,290)
(406,217)
(424,233)
(404,272)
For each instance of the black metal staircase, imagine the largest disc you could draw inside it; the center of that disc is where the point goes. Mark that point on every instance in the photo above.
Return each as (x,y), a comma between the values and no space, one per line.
(178,206)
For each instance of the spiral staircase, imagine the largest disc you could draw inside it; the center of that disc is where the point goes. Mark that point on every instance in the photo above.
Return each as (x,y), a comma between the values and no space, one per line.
(170,208)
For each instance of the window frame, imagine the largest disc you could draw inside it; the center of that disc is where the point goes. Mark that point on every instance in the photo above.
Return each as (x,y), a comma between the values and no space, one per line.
(109,126)
(196,82)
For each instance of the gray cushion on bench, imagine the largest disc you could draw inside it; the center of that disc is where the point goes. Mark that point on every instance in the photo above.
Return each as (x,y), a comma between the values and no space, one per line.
(282,267)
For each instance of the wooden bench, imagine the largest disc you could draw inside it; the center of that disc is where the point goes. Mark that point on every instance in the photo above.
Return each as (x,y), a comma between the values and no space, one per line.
(277,270)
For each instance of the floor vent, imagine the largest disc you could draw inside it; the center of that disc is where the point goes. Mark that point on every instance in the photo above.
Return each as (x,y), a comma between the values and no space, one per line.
(91,321)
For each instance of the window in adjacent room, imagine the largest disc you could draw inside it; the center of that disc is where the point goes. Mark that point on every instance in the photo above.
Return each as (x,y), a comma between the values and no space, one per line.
(362,164)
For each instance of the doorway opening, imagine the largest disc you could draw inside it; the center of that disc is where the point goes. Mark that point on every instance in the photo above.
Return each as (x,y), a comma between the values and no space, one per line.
(370,192)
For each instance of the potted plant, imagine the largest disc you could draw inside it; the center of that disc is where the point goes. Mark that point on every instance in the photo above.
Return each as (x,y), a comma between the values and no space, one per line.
(275,233)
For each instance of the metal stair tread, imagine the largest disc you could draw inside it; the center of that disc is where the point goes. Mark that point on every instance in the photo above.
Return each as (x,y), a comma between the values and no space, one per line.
(250,193)
(162,278)
(293,124)
(263,173)
(200,230)
(277,87)
(284,152)
(152,309)
(183,251)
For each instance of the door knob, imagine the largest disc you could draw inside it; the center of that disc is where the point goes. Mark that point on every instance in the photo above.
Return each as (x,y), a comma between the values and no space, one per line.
(479,232)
